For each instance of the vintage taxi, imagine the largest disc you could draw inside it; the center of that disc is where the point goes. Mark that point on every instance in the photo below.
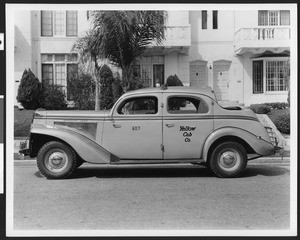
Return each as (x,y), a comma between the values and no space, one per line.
(155,125)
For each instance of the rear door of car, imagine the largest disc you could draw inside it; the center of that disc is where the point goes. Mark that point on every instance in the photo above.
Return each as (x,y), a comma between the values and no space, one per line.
(134,131)
(187,121)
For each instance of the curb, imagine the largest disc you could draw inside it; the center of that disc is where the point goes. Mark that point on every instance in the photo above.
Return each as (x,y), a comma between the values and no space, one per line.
(271,160)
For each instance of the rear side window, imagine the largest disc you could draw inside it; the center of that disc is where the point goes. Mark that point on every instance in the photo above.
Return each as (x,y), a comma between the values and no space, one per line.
(139,106)
(186,105)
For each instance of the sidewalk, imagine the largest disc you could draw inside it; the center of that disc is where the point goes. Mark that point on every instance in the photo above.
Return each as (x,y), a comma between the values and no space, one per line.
(284,157)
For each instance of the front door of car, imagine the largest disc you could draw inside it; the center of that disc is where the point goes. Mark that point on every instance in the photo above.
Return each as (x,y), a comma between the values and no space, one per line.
(187,121)
(134,130)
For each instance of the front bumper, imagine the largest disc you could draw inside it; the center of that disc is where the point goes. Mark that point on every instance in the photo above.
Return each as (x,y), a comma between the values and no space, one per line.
(24,147)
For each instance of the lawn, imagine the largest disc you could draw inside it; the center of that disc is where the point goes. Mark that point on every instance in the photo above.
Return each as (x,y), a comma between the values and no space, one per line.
(22,122)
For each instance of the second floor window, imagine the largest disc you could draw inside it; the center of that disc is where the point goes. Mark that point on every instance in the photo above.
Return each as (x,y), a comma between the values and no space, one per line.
(215,19)
(59,23)
(273,18)
(204,19)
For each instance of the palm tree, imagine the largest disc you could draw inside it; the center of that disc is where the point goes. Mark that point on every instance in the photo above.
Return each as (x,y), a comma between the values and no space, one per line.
(123,36)
(90,51)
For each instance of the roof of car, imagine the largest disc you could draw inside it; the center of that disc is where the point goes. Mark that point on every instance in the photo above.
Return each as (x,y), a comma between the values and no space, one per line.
(178,89)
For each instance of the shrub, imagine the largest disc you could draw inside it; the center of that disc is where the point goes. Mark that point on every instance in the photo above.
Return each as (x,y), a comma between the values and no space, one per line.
(81,90)
(29,91)
(278,105)
(135,83)
(53,97)
(260,108)
(173,80)
(106,90)
(282,123)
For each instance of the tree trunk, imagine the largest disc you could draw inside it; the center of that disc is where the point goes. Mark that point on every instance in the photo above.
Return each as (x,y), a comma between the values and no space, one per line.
(97,90)
(126,78)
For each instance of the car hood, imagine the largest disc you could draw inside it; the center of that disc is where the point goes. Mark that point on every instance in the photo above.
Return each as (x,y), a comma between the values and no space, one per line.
(71,114)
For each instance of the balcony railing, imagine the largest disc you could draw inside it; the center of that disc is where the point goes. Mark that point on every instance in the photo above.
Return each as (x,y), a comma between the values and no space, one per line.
(262,37)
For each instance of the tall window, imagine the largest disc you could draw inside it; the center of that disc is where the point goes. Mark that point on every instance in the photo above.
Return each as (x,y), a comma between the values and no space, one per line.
(268,75)
(47,73)
(273,18)
(59,23)
(204,19)
(215,19)
(46,18)
(71,23)
(284,17)
(146,73)
(56,69)
(275,76)
(258,76)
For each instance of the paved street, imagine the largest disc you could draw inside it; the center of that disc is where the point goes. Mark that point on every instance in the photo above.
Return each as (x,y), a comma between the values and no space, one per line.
(152,197)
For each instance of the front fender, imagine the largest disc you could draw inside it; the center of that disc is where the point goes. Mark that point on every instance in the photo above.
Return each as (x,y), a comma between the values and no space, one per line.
(86,148)
(259,145)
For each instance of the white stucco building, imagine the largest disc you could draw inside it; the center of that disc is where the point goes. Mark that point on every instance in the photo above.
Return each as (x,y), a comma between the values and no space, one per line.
(241,54)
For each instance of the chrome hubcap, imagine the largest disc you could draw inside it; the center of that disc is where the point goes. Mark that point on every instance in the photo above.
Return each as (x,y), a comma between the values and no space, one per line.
(229,160)
(57,160)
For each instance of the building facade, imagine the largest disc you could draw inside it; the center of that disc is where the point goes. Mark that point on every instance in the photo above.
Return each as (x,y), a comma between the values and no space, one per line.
(242,55)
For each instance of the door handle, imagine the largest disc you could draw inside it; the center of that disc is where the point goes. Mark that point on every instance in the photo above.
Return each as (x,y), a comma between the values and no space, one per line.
(116,125)
(170,125)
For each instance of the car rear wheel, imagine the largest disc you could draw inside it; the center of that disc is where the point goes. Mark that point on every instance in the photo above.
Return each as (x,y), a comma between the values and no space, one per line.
(56,160)
(228,159)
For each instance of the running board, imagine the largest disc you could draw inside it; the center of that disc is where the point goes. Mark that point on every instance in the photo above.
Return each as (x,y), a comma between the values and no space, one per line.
(159,161)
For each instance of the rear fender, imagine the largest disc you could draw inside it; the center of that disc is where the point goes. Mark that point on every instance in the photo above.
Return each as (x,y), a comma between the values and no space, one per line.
(259,145)
(85,147)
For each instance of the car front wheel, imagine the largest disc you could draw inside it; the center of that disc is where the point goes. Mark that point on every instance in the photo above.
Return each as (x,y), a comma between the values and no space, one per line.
(228,159)
(56,160)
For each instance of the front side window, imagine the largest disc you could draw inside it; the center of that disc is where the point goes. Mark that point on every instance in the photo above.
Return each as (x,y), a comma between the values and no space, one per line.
(186,105)
(139,106)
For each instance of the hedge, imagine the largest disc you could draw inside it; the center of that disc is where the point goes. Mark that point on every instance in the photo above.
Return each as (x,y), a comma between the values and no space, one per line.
(282,123)
(260,108)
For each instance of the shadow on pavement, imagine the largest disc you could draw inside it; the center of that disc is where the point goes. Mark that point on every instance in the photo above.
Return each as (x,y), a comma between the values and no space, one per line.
(168,171)
(265,170)
(142,172)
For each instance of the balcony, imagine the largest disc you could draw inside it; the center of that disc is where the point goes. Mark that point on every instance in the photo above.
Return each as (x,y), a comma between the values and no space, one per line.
(177,38)
(258,40)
